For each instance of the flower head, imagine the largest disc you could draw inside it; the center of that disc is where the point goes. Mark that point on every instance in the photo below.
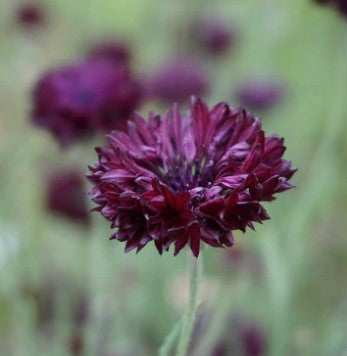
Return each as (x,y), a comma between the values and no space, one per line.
(254,341)
(177,79)
(188,179)
(75,101)
(30,15)
(66,196)
(248,337)
(213,35)
(340,5)
(260,94)
(114,51)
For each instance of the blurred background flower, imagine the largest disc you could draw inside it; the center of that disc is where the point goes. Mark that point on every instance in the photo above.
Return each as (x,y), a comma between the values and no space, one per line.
(30,15)
(78,100)
(212,35)
(176,80)
(112,50)
(341,5)
(259,94)
(66,196)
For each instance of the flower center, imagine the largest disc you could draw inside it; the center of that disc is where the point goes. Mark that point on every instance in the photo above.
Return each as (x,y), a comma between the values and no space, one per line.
(180,175)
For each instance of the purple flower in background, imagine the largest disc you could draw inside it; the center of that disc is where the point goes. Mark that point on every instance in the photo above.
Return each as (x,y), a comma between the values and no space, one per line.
(177,80)
(252,338)
(241,336)
(340,5)
(213,35)
(188,180)
(66,196)
(75,101)
(112,50)
(30,15)
(260,94)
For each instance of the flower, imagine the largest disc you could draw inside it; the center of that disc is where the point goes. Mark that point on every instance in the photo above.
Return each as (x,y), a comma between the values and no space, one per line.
(178,79)
(253,340)
(340,5)
(213,35)
(241,335)
(75,101)
(260,94)
(188,179)
(66,196)
(30,15)
(249,337)
(114,51)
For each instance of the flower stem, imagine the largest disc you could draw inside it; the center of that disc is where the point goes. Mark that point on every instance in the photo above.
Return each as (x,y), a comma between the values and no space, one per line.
(195,277)
(170,339)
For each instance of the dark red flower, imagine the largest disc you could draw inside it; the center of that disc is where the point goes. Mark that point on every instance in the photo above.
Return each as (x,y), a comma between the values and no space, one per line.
(260,94)
(241,335)
(114,51)
(177,80)
(30,15)
(340,5)
(188,179)
(213,35)
(253,341)
(75,101)
(66,196)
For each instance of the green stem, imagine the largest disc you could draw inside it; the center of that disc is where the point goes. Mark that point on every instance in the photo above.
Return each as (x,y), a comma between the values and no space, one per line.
(170,339)
(195,277)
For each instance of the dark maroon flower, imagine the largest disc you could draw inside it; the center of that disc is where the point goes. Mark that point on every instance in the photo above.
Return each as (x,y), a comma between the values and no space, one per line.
(252,338)
(340,5)
(178,79)
(213,35)
(260,94)
(241,336)
(66,196)
(249,336)
(188,179)
(75,101)
(30,15)
(114,51)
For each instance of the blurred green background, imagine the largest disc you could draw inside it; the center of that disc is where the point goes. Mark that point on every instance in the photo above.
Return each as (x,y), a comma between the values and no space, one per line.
(291,280)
